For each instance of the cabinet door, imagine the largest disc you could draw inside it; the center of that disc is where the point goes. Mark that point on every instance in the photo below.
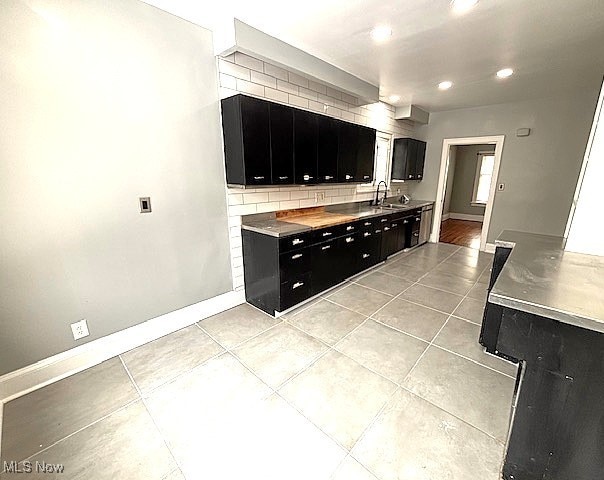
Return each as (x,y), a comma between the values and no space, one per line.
(324,259)
(369,249)
(400,156)
(305,147)
(420,159)
(347,151)
(411,160)
(348,247)
(365,154)
(282,144)
(256,141)
(327,154)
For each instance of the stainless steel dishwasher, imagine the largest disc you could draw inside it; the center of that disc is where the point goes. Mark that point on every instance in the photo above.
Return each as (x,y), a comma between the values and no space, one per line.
(426,224)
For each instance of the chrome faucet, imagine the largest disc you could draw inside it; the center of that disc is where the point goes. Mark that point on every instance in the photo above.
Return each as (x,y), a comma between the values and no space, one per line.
(377,193)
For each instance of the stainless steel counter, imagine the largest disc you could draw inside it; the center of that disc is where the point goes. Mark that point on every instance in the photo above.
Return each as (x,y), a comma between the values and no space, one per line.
(539,277)
(268,224)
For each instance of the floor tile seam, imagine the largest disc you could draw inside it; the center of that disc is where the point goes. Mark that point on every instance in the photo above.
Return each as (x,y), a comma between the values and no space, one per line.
(392,299)
(480,364)
(344,306)
(466,422)
(374,289)
(237,345)
(300,329)
(148,410)
(425,306)
(401,331)
(119,409)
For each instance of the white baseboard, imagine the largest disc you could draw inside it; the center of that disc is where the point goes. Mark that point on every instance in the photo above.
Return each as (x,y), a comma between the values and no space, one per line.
(57,367)
(445,216)
(466,216)
(489,248)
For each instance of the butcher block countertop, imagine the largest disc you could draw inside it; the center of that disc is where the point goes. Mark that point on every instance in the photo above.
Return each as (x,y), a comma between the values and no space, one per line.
(293,222)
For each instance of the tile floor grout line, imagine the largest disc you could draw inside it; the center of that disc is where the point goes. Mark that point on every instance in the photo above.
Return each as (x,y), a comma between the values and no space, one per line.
(472,360)
(374,289)
(237,345)
(148,410)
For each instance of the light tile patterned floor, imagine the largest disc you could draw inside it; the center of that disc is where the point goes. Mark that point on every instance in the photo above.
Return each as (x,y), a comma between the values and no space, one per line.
(382,378)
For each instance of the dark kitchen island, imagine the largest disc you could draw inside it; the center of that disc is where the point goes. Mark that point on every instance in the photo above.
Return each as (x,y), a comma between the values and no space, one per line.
(545,309)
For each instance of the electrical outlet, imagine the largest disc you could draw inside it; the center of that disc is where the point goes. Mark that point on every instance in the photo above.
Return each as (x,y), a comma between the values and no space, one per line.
(80,329)
(398,190)
(501,187)
(319,197)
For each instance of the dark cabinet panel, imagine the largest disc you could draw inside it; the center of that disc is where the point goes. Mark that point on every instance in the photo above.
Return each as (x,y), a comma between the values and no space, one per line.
(324,263)
(295,263)
(347,265)
(420,160)
(369,249)
(295,291)
(408,159)
(245,122)
(306,136)
(365,154)
(282,144)
(327,150)
(347,151)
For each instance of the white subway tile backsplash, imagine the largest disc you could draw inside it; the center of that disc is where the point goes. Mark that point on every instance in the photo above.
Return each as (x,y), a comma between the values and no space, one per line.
(298,101)
(310,202)
(306,93)
(237,271)
(278,196)
(234,70)
(234,232)
(227,81)
(236,261)
(249,87)
(333,111)
(276,95)
(287,87)
(249,62)
(288,204)
(298,194)
(326,100)
(333,93)
(255,198)
(341,105)
(237,251)
(274,71)
(267,207)
(316,106)
(297,79)
(242,210)
(350,99)
(317,87)
(347,116)
(226,92)
(235,199)
(264,79)
(238,283)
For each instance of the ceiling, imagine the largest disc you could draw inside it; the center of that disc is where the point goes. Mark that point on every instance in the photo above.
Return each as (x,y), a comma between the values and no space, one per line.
(554,46)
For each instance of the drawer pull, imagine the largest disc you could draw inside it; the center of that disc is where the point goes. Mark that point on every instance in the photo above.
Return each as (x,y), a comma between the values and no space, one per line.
(365,177)
(327,234)
(326,247)
(418,219)
(258,178)
(386,229)
(378,231)
(366,255)
(367,224)
(307,177)
(349,227)
(405,221)
(395,225)
(349,239)
(367,234)
(283,178)
(297,241)
(328,177)
(297,284)
(297,255)
(416,234)
(384,220)
(348,177)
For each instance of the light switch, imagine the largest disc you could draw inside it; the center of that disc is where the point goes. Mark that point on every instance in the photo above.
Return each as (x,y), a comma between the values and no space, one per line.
(145,204)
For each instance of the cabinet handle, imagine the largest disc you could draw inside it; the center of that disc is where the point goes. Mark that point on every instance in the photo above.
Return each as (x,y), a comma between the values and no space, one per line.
(367,234)
(394,225)
(307,177)
(410,176)
(367,224)
(296,256)
(349,227)
(366,255)
(327,234)
(378,231)
(283,178)
(348,177)
(297,284)
(326,247)
(419,176)
(416,234)
(405,221)
(349,239)
(384,220)
(418,219)
(328,177)
(365,177)
(386,229)
(297,241)
(258,178)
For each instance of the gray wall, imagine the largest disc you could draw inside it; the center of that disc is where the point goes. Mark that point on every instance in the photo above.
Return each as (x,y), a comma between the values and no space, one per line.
(540,171)
(102,102)
(465,174)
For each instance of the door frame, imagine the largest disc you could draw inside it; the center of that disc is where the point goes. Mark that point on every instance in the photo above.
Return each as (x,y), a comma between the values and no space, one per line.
(497,140)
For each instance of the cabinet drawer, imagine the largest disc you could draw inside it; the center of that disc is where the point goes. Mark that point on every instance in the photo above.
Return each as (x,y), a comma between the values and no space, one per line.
(328,233)
(367,225)
(350,228)
(295,291)
(294,242)
(294,263)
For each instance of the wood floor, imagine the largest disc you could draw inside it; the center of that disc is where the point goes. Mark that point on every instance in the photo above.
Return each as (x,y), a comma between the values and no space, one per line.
(461,232)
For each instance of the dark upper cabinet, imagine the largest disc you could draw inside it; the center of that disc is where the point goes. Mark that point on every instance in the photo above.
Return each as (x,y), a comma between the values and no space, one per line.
(327,151)
(245,122)
(408,159)
(306,138)
(347,151)
(365,154)
(282,144)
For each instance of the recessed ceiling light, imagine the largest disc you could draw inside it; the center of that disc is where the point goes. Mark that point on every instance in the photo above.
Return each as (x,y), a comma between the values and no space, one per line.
(394,98)
(505,73)
(462,6)
(446,85)
(381,33)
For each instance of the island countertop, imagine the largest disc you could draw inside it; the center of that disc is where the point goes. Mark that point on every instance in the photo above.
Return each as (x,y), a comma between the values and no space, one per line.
(541,278)
(269,224)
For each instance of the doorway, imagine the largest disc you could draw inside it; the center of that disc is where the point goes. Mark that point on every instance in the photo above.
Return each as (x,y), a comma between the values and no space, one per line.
(466,189)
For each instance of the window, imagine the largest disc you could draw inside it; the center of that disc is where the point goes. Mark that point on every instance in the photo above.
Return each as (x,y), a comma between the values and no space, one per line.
(482,181)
